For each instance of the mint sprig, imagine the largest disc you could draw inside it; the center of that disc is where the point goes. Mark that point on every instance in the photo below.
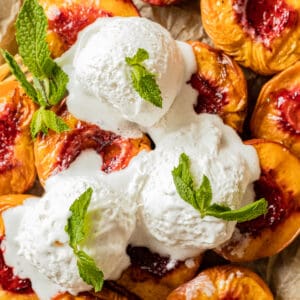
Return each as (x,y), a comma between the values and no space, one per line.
(200,198)
(77,230)
(144,81)
(49,80)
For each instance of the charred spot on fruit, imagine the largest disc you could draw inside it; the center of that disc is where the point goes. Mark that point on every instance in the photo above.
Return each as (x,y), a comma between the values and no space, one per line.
(153,263)
(211,98)
(280,204)
(264,20)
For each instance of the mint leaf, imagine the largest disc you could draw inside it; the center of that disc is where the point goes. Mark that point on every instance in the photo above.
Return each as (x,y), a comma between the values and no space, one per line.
(37,125)
(138,58)
(183,180)
(43,120)
(57,85)
(20,76)
(185,191)
(201,198)
(204,194)
(246,213)
(183,170)
(76,223)
(88,271)
(53,122)
(31,37)
(76,229)
(40,91)
(144,81)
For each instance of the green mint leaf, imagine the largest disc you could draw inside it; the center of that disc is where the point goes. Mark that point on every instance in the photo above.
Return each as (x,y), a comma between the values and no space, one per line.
(183,170)
(57,85)
(88,271)
(40,91)
(37,125)
(138,58)
(201,198)
(43,120)
(144,81)
(31,33)
(76,229)
(246,213)
(184,191)
(204,194)
(20,76)
(50,80)
(76,223)
(53,122)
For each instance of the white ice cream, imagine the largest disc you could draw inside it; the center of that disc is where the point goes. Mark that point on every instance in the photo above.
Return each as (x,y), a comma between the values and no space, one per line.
(170,225)
(43,242)
(97,66)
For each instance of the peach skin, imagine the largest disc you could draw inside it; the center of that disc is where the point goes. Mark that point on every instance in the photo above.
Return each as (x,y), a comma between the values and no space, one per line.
(225,282)
(279,185)
(263,35)
(221,85)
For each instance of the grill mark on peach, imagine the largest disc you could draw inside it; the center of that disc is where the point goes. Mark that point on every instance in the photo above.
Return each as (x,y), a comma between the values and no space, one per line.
(211,98)
(280,204)
(264,20)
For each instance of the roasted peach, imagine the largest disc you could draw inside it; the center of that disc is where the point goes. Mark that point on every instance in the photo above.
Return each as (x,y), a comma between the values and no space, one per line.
(67,18)
(277,112)
(17,171)
(221,85)
(279,185)
(55,152)
(151,276)
(226,282)
(263,35)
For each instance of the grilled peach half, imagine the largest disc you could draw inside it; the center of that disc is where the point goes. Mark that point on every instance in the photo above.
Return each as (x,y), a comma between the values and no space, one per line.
(55,152)
(17,170)
(277,112)
(221,85)
(67,18)
(263,35)
(279,185)
(225,282)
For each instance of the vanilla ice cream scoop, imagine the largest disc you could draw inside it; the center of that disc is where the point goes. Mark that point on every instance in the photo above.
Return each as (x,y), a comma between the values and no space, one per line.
(167,223)
(99,67)
(41,238)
